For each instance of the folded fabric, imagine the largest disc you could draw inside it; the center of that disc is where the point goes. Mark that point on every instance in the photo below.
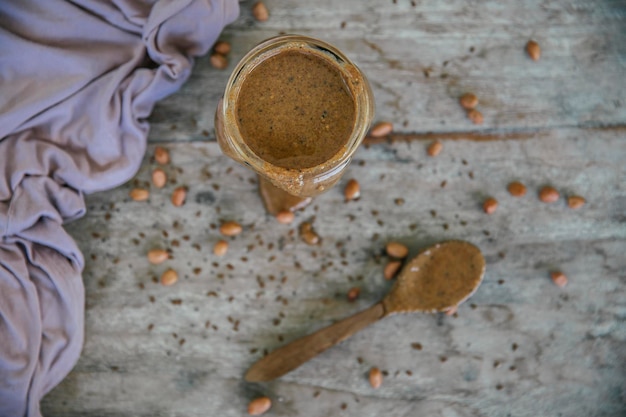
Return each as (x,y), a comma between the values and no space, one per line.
(77,81)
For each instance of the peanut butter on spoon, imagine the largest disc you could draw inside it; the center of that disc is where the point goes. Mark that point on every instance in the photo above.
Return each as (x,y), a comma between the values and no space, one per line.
(437,279)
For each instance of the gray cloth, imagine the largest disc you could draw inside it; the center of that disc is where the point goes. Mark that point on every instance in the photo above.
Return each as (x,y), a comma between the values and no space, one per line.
(77,81)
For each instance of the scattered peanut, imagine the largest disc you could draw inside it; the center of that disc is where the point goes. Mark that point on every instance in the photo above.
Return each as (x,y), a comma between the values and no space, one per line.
(533,50)
(516,189)
(222,47)
(548,194)
(576,201)
(468,101)
(475,116)
(353,293)
(260,12)
(391,269)
(159,178)
(434,148)
(220,248)
(230,229)
(559,278)
(308,234)
(352,190)
(169,277)
(161,155)
(259,406)
(285,216)
(396,250)
(218,61)
(490,205)
(139,194)
(376,377)
(381,129)
(157,256)
(178,196)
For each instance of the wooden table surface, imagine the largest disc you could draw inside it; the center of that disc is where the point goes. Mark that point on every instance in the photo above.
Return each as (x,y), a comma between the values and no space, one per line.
(521,346)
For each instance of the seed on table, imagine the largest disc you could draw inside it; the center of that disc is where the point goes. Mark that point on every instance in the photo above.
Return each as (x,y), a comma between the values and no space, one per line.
(218,61)
(490,205)
(259,406)
(468,101)
(158,256)
(178,196)
(161,155)
(533,50)
(575,201)
(220,248)
(375,377)
(352,190)
(353,293)
(396,250)
(139,194)
(559,278)
(308,234)
(260,12)
(516,189)
(230,228)
(169,277)
(222,47)
(548,194)
(381,129)
(159,178)
(434,148)
(475,116)
(391,269)
(285,216)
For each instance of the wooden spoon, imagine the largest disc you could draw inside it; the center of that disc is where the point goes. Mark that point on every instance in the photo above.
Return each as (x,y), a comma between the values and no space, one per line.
(437,279)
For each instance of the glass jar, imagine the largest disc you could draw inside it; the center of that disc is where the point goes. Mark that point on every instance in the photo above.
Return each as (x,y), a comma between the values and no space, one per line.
(300,182)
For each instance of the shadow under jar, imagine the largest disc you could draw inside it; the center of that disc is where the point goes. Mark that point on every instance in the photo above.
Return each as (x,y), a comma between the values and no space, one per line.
(295,110)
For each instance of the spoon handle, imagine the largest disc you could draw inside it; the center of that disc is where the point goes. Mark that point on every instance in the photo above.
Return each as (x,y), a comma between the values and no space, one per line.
(294,354)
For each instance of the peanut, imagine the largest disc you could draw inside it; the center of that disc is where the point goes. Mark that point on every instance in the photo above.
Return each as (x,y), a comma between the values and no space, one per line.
(230,229)
(559,278)
(576,201)
(381,129)
(222,47)
(157,256)
(308,234)
(260,12)
(475,116)
(396,250)
(218,61)
(490,205)
(139,194)
(548,194)
(285,216)
(178,196)
(169,277)
(161,155)
(159,178)
(220,248)
(516,189)
(533,50)
(353,293)
(259,406)
(352,190)
(468,101)
(434,148)
(375,377)
(391,269)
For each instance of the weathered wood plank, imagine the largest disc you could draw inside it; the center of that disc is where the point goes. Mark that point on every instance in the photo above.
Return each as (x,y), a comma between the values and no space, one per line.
(420,59)
(521,346)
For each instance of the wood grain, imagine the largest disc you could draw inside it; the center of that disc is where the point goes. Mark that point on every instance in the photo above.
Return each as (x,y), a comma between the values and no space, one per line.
(521,346)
